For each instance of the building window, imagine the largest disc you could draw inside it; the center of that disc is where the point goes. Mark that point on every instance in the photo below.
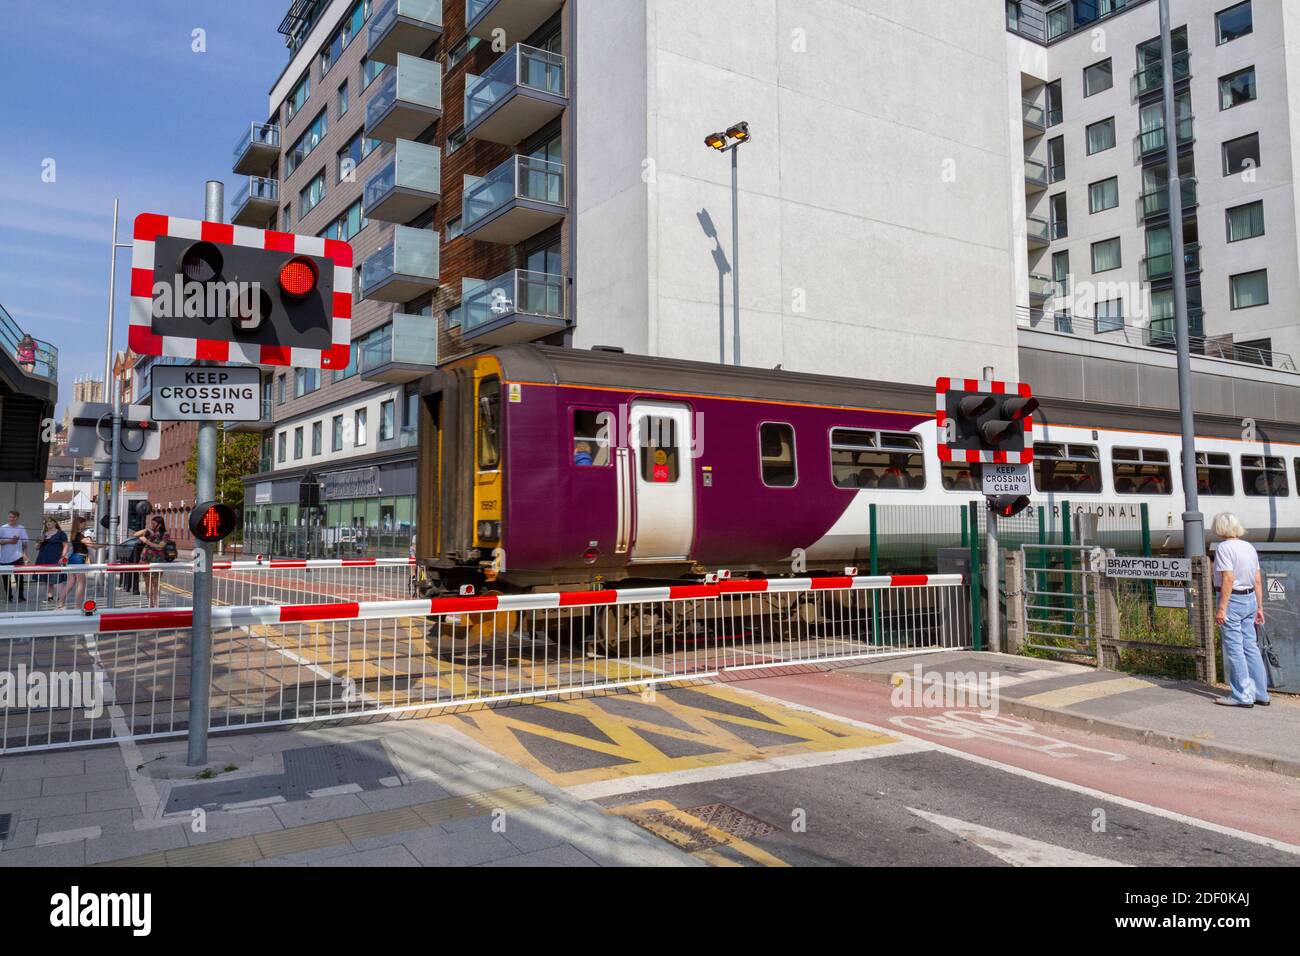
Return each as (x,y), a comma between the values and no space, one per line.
(1106,255)
(388,420)
(305,381)
(343,98)
(1055,111)
(866,459)
(1246,222)
(1264,476)
(297,443)
(286,219)
(329,53)
(311,194)
(316,429)
(1101,136)
(1103,195)
(336,433)
(455,140)
(1249,289)
(1108,316)
(1141,471)
(1213,474)
(359,437)
(1058,21)
(1070,468)
(369,70)
(308,141)
(776,455)
(280,390)
(281,446)
(452,229)
(1061,272)
(1241,153)
(1237,88)
(347,225)
(458,53)
(1059,225)
(348,159)
(1056,159)
(297,96)
(1234,22)
(1098,77)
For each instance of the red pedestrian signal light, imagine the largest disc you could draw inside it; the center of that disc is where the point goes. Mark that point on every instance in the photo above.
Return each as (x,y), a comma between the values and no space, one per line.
(298,277)
(1008,506)
(212,521)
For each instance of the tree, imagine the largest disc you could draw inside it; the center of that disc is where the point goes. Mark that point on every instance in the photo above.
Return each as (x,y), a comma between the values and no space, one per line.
(238,454)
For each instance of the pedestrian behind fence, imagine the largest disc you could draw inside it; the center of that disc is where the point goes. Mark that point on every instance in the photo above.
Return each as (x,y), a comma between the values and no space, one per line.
(1240,612)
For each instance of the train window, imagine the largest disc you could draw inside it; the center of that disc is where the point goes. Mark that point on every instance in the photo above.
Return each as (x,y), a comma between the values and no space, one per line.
(659,452)
(489,417)
(1213,474)
(1263,476)
(590,438)
(866,459)
(1141,471)
(962,476)
(776,454)
(1067,469)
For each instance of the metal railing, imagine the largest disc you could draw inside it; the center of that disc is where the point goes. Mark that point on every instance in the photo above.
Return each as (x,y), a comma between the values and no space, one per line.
(1155,202)
(1151,141)
(34,356)
(520,67)
(518,292)
(519,177)
(260,134)
(256,187)
(413,252)
(284,664)
(412,166)
(1152,77)
(1161,265)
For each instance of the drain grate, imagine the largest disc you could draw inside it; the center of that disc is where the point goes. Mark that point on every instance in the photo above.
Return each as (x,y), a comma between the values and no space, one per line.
(729,820)
(5,820)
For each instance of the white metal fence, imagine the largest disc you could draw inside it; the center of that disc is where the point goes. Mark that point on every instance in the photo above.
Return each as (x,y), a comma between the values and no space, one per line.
(289,663)
(32,588)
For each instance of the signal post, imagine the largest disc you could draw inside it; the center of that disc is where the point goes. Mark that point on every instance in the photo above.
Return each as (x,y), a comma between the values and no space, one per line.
(989,423)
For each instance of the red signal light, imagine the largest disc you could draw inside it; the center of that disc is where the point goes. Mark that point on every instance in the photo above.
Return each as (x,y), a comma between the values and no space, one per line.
(298,277)
(88,606)
(212,521)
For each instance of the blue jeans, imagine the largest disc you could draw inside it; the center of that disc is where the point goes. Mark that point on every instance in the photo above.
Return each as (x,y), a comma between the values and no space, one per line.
(1244,662)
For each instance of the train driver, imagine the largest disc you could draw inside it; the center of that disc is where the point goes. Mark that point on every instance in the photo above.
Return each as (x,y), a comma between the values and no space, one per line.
(582,453)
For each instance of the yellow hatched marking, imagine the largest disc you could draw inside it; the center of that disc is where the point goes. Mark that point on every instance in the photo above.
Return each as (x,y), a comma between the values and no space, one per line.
(1065,696)
(680,828)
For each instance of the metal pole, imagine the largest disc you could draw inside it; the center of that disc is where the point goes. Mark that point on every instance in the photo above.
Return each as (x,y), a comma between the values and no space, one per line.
(205,485)
(735,260)
(1193,520)
(994,572)
(105,395)
(114,490)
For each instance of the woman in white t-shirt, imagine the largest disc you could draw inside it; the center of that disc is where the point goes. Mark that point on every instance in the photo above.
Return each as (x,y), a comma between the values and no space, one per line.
(1241,610)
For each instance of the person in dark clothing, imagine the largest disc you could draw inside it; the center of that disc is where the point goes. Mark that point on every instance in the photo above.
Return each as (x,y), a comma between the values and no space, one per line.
(49,552)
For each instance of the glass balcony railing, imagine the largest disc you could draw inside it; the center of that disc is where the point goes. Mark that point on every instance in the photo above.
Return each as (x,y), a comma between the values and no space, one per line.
(1155,202)
(409,98)
(1161,265)
(1035,173)
(517,294)
(404,268)
(1038,230)
(406,351)
(33,356)
(1153,140)
(521,68)
(258,149)
(407,185)
(1159,332)
(1152,77)
(403,26)
(1041,286)
(255,200)
(1035,116)
(518,178)
(513,18)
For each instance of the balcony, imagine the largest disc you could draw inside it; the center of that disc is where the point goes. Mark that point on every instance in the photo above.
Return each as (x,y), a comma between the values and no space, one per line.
(1038,232)
(516,307)
(407,353)
(518,199)
(522,92)
(1035,176)
(1161,265)
(404,26)
(1151,78)
(1035,118)
(1154,203)
(404,268)
(409,184)
(261,425)
(408,100)
(1151,143)
(33,356)
(1159,332)
(516,18)
(256,202)
(1041,288)
(258,150)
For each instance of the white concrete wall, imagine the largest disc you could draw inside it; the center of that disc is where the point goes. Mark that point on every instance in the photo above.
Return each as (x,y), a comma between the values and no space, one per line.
(875,229)
(372,402)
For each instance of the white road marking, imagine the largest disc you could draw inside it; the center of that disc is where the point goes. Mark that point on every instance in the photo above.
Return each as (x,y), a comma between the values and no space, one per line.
(68,836)
(1279,845)
(1013,848)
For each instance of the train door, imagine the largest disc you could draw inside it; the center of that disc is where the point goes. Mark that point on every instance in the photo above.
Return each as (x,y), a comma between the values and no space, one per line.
(663,481)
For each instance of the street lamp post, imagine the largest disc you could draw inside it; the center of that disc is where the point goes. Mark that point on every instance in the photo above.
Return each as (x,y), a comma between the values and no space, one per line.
(728,142)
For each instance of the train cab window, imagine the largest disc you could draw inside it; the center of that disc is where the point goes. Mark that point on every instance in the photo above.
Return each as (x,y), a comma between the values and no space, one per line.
(1263,476)
(1067,469)
(1213,474)
(590,438)
(1141,471)
(776,454)
(659,451)
(962,476)
(868,459)
(489,418)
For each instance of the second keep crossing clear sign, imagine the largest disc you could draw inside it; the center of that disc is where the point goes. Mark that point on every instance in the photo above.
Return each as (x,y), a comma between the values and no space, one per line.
(206,393)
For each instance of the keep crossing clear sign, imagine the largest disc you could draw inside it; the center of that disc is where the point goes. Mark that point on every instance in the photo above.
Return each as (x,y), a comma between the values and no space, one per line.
(206,393)
(1006,479)
(1151,569)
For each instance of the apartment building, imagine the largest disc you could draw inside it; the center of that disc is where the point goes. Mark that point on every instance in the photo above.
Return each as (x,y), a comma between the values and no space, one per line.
(1093,238)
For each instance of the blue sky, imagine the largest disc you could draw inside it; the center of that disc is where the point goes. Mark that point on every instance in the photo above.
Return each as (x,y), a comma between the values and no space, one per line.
(113,93)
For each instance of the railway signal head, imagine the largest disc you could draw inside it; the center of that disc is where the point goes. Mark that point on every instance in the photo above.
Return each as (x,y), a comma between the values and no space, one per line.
(984,421)
(212,521)
(1008,506)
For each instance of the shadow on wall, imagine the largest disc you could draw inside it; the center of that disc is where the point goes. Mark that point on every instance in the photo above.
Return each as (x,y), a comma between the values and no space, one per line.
(724,269)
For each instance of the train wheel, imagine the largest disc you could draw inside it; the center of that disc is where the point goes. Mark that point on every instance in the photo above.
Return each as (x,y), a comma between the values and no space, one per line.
(630,631)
